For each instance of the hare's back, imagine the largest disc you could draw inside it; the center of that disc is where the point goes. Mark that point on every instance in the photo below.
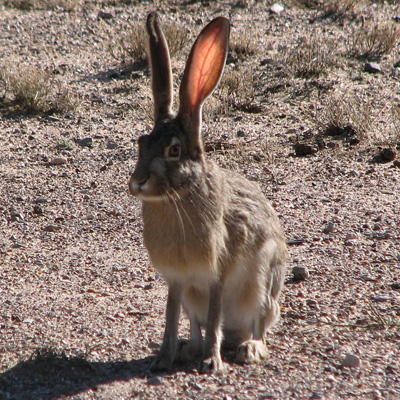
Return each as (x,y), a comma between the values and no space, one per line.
(249,207)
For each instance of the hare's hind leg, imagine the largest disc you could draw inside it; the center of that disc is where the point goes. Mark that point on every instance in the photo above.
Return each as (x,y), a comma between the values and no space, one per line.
(255,350)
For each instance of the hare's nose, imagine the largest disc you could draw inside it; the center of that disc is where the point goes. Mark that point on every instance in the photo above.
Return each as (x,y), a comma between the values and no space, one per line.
(136,183)
(141,181)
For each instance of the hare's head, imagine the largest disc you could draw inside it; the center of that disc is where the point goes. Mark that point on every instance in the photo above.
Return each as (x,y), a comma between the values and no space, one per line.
(171,157)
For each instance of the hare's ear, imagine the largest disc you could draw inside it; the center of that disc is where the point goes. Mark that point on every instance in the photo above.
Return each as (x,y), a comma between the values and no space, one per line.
(161,75)
(203,71)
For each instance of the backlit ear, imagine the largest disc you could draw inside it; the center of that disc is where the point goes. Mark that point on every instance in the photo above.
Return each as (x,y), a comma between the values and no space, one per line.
(161,75)
(204,67)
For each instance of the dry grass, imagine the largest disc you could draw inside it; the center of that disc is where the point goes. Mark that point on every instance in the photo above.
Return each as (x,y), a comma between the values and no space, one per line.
(67,5)
(395,117)
(244,44)
(236,91)
(339,8)
(243,3)
(344,115)
(144,107)
(307,3)
(331,8)
(37,90)
(131,46)
(372,42)
(310,58)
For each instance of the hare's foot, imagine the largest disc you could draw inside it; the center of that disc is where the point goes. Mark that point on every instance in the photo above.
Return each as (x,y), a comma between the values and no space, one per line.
(188,350)
(251,351)
(162,362)
(211,365)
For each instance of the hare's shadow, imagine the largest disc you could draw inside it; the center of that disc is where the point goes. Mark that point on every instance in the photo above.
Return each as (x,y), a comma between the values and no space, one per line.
(51,376)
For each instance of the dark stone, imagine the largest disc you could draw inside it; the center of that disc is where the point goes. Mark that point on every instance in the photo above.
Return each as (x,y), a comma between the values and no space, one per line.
(300,273)
(105,15)
(388,154)
(303,149)
(372,67)
(86,142)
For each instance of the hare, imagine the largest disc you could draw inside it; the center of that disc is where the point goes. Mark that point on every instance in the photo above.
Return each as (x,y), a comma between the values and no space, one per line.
(211,234)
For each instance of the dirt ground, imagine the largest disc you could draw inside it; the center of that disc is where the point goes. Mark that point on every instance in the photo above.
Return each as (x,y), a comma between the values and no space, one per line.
(82,309)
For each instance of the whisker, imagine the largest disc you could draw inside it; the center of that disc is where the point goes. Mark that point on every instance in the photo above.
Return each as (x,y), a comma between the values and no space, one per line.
(180,221)
(183,209)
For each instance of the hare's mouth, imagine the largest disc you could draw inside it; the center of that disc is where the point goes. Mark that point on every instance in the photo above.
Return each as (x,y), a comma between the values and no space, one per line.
(144,191)
(147,190)
(152,198)
(158,197)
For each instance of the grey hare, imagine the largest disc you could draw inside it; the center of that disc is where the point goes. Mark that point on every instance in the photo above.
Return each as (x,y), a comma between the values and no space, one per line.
(211,233)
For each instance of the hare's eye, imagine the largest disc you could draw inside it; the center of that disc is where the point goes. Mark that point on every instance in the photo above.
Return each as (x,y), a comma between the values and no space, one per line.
(174,151)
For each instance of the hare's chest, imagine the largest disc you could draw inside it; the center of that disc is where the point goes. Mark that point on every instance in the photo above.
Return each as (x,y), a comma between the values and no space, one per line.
(179,246)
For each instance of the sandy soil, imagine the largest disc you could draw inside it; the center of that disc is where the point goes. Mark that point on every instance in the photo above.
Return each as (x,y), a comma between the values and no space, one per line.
(81,308)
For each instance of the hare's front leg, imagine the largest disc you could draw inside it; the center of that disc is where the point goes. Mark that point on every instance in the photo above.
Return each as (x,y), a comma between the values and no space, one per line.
(211,359)
(165,357)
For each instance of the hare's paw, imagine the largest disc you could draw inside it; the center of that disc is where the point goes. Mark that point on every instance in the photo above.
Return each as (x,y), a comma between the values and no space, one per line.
(211,365)
(188,350)
(251,351)
(161,363)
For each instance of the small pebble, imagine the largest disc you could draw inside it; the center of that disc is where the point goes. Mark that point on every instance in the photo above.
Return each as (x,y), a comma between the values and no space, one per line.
(111,145)
(317,396)
(351,361)
(388,154)
(354,141)
(367,278)
(276,8)
(372,67)
(52,228)
(376,395)
(295,242)
(41,200)
(330,226)
(312,304)
(155,380)
(58,161)
(105,15)
(303,149)
(379,299)
(196,386)
(37,209)
(395,285)
(300,273)
(53,118)
(351,236)
(86,142)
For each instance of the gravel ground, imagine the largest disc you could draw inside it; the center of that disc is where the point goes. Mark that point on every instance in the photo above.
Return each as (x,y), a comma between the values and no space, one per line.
(82,309)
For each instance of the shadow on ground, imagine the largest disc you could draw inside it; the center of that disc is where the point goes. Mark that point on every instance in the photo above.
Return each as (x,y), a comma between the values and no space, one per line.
(52,376)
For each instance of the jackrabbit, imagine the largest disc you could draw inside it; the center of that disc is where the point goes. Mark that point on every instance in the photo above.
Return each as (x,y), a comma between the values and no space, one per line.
(210,233)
